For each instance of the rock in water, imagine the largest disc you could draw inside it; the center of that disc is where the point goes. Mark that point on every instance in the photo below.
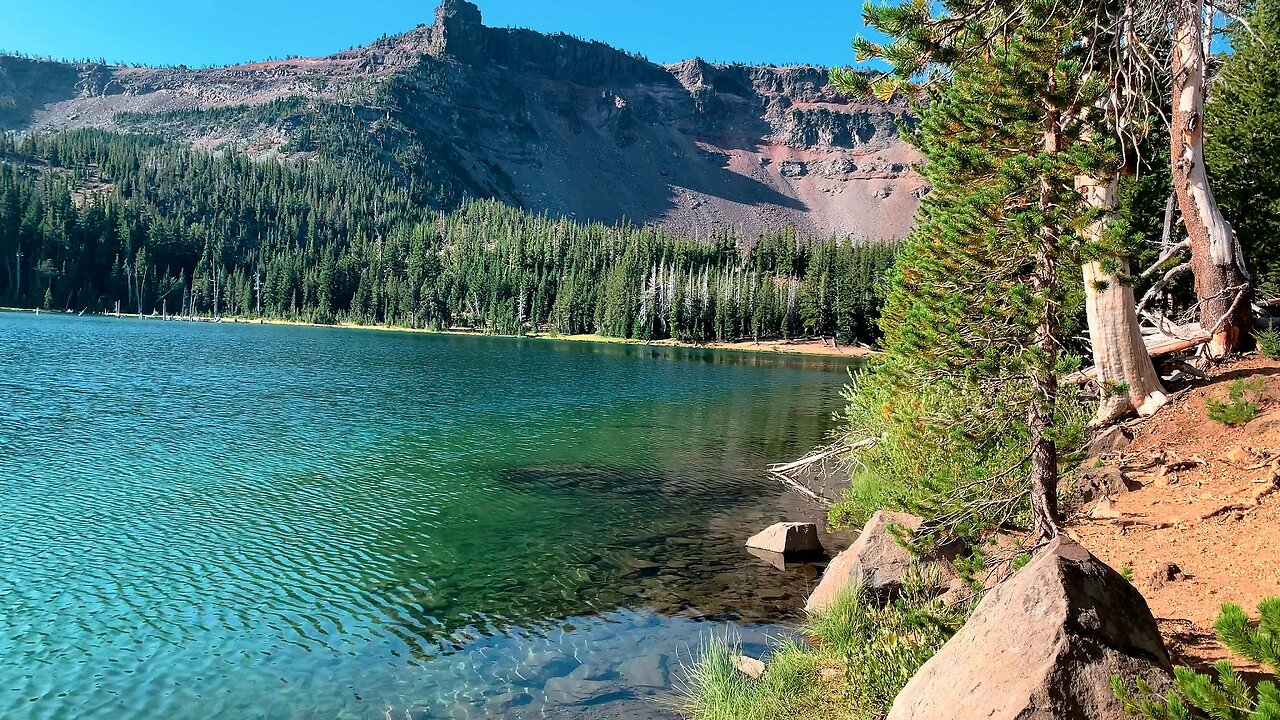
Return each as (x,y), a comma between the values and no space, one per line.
(787,537)
(646,671)
(1042,646)
(876,557)
(567,691)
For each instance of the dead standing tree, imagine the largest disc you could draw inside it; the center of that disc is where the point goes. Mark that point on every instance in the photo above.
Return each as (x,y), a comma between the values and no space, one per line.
(1222,284)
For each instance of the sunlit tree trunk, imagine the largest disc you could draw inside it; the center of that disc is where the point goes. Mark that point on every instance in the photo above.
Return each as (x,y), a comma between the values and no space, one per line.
(1124,369)
(1045,518)
(1222,286)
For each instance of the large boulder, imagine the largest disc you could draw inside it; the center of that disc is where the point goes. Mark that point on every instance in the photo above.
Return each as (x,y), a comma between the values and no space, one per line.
(877,558)
(786,538)
(1042,645)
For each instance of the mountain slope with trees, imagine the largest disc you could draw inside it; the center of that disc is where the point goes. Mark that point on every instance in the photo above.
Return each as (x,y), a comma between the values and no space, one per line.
(549,123)
(97,221)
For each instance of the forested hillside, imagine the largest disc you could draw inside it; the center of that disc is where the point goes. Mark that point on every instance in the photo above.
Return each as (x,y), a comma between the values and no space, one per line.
(549,123)
(89,219)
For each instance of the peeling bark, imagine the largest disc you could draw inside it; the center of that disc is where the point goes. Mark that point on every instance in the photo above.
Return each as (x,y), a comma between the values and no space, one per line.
(1216,258)
(1119,354)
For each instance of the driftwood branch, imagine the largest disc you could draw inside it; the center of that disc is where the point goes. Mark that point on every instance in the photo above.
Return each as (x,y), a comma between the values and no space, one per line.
(816,463)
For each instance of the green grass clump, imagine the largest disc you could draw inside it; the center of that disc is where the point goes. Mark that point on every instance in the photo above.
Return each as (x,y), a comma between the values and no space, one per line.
(716,690)
(1242,406)
(1269,344)
(858,655)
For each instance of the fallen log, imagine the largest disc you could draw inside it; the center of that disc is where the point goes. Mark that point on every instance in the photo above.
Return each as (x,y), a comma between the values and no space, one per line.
(1183,337)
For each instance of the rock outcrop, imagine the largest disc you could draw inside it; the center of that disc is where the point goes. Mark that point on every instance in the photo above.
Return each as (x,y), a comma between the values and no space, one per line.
(877,559)
(787,538)
(549,122)
(1043,645)
(1096,483)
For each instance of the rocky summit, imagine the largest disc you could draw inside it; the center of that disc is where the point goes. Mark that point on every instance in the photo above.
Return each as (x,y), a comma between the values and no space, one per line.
(550,123)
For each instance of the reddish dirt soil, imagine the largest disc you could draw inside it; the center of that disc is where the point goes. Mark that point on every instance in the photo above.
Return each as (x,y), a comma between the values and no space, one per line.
(1208,502)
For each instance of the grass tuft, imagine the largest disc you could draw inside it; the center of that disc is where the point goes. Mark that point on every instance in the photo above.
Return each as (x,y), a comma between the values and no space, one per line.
(857,656)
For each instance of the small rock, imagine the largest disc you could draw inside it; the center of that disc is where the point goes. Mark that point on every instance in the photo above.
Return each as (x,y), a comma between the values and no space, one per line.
(1165,574)
(589,672)
(1108,440)
(1108,482)
(1103,510)
(1239,456)
(749,666)
(787,537)
(549,664)
(502,705)
(633,565)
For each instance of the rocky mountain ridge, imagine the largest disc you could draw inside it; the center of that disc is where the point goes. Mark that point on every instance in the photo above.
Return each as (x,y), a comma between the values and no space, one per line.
(551,123)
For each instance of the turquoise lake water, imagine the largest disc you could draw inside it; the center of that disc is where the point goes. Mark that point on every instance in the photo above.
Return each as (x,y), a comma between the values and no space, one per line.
(255,521)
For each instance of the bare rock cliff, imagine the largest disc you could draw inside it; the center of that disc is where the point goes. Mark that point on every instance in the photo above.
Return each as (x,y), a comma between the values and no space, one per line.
(548,122)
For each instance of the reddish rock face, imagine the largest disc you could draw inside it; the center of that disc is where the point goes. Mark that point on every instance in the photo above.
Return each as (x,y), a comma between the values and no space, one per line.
(1043,645)
(548,122)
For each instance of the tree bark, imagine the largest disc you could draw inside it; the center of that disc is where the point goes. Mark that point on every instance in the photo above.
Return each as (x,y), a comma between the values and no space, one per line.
(1124,369)
(1045,519)
(1222,285)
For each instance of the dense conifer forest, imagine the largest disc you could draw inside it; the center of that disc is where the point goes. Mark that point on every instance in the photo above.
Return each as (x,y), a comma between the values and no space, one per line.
(89,219)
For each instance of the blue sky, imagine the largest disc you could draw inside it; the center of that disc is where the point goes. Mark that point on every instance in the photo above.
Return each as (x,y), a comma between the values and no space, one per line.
(203,32)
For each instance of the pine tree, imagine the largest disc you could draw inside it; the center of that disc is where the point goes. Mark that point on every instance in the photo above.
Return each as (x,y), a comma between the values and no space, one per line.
(965,404)
(1227,697)
(333,242)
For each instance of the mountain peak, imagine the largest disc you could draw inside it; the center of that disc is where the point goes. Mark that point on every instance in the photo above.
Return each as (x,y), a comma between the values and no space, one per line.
(459,29)
(459,14)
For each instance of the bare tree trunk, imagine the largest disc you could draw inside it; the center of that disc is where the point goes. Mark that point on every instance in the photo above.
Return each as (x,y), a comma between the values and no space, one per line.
(1045,519)
(1128,378)
(1222,285)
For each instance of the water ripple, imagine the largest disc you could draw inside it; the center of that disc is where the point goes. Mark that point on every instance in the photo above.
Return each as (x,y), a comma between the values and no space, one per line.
(248,521)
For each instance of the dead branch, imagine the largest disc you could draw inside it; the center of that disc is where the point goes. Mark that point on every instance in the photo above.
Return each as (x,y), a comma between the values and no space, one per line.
(815,463)
(1162,283)
(1165,257)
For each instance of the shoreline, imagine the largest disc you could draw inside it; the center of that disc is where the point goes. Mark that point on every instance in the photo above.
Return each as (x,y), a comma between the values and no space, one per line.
(796,346)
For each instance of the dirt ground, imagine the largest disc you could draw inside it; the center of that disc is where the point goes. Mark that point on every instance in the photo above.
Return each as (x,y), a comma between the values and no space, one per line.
(1207,503)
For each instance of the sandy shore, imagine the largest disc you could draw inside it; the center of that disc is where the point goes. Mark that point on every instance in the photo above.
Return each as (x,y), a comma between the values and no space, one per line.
(796,346)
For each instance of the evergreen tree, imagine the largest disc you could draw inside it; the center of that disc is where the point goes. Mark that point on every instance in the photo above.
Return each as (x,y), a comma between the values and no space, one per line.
(1227,697)
(965,404)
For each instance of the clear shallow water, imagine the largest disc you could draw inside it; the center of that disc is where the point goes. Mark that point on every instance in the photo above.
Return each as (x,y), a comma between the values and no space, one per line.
(242,521)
